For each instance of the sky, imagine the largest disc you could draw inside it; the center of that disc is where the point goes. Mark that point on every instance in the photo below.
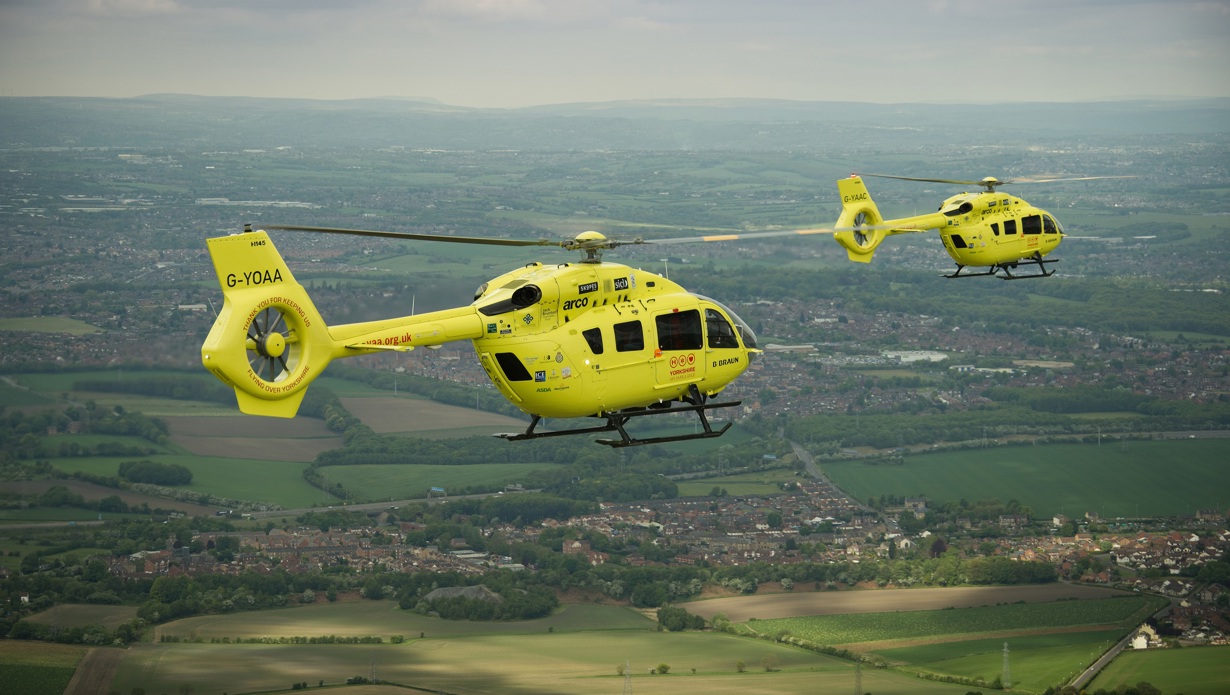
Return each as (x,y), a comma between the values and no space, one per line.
(516,53)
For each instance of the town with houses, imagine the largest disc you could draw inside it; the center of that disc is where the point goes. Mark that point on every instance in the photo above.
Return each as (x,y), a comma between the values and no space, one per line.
(812,522)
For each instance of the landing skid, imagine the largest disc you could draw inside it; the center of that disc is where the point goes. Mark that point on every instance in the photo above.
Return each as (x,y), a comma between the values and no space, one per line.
(1036,260)
(615,423)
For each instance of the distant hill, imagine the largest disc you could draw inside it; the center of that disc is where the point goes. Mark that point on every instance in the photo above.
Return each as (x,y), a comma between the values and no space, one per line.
(173,120)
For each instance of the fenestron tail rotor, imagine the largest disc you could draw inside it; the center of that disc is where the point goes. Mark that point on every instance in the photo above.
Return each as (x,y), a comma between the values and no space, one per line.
(860,223)
(272,345)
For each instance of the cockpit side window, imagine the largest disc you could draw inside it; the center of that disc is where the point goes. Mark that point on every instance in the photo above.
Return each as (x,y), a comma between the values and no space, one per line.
(679,330)
(963,209)
(721,333)
(629,336)
(513,369)
(593,336)
(522,297)
(1049,225)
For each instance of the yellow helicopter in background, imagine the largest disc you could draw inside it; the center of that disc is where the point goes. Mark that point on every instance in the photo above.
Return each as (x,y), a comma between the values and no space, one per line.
(990,230)
(567,340)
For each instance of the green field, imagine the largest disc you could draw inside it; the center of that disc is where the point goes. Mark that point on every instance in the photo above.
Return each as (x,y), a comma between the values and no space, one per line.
(83,615)
(873,627)
(757,483)
(1116,479)
(14,395)
(1191,671)
(1035,661)
(37,668)
(394,482)
(385,619)
(277,482)
(51,388)
(48,324)
(576,650)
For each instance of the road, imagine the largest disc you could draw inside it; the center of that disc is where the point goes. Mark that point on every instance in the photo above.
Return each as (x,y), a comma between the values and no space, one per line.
(1096,667)
(809,464)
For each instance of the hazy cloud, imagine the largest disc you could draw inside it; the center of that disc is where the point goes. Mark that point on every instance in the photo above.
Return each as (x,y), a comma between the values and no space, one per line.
(524,52)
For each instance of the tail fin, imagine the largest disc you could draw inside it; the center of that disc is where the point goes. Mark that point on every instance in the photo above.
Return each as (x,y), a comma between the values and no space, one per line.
(858,211)
(269,341)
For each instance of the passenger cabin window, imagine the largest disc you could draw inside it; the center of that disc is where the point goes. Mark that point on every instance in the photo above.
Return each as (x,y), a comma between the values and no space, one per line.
(1009,227)
(629,336)
(1031,224)
(1049,225)
(679,330)
(721,333)
(594,337)
(995,228)
(513,369)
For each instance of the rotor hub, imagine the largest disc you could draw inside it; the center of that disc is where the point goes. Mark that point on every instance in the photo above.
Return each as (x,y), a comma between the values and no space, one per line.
(271,345)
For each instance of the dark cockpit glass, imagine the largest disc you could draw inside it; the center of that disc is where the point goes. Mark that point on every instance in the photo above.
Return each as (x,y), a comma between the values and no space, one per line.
(745,331)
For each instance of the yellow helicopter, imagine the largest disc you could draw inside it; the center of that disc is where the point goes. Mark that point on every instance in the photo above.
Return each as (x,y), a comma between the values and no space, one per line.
(588,339)
(987,229)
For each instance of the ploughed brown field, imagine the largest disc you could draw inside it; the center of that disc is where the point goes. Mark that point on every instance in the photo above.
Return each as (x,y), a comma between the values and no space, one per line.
(413,415)
(743,608)
(251,436)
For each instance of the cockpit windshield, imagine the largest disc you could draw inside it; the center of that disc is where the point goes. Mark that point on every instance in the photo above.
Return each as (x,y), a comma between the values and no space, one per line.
(745,331)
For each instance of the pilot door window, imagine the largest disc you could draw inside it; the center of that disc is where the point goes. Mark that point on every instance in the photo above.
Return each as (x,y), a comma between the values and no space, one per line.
(721,333)
(679,330)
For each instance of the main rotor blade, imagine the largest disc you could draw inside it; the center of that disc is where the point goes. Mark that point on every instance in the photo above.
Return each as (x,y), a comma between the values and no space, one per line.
(997,182)
(1075,178)
(421,237)
(955,182)
(734,237)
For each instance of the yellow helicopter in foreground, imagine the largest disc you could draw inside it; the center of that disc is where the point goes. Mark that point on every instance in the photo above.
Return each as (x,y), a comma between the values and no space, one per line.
(987,229)
(588,339)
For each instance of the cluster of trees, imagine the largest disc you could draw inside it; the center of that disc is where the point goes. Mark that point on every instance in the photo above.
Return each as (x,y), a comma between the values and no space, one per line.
(534,601)
(676,619)
(1003,570)
(1141,688)
(154,473)
(23,433)
(124,633)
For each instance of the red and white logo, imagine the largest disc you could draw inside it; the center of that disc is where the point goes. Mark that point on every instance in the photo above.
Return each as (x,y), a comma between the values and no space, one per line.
(683,360)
